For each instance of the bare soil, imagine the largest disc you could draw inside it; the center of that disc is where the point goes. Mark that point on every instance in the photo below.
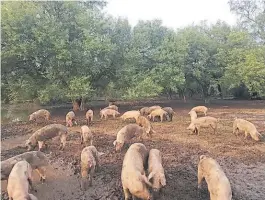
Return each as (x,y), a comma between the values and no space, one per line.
(242,160)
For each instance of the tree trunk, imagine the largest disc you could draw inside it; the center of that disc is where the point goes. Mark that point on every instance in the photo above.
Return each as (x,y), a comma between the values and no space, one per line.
(82,107)
(220,91)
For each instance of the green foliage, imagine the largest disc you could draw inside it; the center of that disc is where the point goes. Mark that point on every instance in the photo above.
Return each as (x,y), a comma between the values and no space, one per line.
(52,92)
(143,89)
(59,51)
(248,68)
(79,87)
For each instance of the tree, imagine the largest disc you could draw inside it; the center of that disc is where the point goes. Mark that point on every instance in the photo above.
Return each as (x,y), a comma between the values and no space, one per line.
(251,16)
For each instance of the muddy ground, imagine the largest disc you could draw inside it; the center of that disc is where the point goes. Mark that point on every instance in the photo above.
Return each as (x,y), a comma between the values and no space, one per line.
(242,160)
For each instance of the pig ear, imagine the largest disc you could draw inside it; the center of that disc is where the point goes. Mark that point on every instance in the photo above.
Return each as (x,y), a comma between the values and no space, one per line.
(202,157)
(100,153)
(151,175)
(163,180)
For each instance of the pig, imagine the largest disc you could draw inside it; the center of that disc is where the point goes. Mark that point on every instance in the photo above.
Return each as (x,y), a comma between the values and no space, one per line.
(113,107)
(126,134)
(86,135)
(193,115)
(218,184)
(45,133)
(89,116)
(133,178)
(70,118)
(156,170)
(170,112)
(89,163)
(20,181)
(133,114)
(144,110)
(202,109)
(247,127)
(36,159)
(204,122)
(152,108)
(42,113)
(145,123)
(158,112)
(108,112)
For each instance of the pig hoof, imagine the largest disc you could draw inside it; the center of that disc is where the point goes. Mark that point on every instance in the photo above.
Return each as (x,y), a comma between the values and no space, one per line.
(42,180)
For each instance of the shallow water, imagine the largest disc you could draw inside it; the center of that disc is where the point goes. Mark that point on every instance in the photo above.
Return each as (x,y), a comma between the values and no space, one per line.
(21,112)
(13,113)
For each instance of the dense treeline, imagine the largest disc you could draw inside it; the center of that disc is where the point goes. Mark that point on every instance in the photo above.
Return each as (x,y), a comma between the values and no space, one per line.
(64,50)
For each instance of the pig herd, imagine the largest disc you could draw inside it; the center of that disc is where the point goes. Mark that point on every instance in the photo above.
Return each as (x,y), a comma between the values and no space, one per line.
(142,169)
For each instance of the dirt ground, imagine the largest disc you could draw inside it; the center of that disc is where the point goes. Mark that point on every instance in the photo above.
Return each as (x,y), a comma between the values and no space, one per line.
(242,160)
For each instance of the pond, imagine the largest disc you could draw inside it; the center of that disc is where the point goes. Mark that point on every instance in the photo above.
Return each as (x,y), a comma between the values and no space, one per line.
(17,112)
(20,112)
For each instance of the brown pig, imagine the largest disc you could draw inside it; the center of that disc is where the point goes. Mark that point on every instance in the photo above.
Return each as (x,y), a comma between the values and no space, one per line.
(199,109)
(108,112)
(144,110)
(86,135)
(42,113)
(203,122)
(218,184)
(89,116)
(36,159)
(132,114)
(89,163)
(158,112)
(156,170)
(70,118)
(133,178)
(247,127)
(170,112)
(20,181)
(126,134)
(45,133)
(145,123)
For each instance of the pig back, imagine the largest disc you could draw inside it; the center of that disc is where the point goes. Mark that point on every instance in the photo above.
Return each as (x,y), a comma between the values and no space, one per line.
(50,131)
(136,157)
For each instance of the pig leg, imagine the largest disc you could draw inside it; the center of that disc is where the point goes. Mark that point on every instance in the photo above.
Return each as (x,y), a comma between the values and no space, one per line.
(30,181)
(63,142)
(41,143)
(213,127)
(126,193)
(97,163)
(91,142)
(246,135)
(90,176)
(197,130)
(84,175)
(41,172)
(235,129)
(81,139)
(161,118)
(200,178)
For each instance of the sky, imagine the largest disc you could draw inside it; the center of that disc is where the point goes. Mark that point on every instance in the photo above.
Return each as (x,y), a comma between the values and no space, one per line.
(174,13)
